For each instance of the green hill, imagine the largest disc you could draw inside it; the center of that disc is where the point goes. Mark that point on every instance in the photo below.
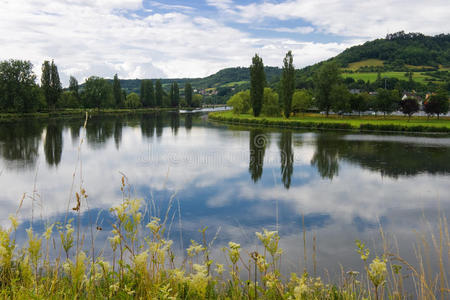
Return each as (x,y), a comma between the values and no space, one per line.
(402,60)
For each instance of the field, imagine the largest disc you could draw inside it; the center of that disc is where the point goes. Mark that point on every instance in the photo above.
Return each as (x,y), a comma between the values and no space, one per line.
(417,76)
(365,63)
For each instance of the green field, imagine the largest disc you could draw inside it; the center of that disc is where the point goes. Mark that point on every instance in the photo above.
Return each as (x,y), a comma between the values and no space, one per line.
(365,63)
(235,83)
(417,76)
(354,121)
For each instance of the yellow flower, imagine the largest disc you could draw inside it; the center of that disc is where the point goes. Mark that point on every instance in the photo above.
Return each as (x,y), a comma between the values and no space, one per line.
(14,221)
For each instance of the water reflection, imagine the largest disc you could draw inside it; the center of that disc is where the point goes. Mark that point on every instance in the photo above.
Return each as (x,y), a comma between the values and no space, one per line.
(326,158)
(258,142)
(188,121)
(286,158)
(53,143)
(174,123)
(19,142)
(331,179)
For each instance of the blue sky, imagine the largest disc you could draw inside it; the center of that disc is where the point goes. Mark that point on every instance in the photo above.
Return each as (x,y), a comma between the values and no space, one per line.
(173,38)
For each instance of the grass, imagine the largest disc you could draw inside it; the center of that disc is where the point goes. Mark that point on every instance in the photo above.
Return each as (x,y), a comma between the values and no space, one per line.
(372,76)
(235,83)
(365,63)
(143,264)
(374,123)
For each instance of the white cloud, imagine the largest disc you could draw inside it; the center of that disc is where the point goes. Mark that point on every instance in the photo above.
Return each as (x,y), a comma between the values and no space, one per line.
(355,18)
(300,30)
(98,39)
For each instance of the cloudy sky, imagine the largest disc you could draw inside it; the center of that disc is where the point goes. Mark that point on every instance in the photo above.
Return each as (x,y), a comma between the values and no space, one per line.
(174,38)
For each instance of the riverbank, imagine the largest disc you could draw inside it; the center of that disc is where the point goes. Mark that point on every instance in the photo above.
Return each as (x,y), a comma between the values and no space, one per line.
(360,123)
(75,112)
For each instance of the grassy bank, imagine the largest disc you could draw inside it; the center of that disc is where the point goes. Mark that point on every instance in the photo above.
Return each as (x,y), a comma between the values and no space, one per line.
(77,112)
(363,123)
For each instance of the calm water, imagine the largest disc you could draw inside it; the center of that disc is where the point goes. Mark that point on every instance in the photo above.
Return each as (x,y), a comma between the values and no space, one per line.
(236,181)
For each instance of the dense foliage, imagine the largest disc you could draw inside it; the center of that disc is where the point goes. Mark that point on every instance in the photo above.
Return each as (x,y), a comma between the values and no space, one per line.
(257,84)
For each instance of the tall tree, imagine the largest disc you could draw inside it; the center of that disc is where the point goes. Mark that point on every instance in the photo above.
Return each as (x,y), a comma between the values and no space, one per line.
(287,83)
(73,86)
(97,93)
(117,92)
(324,80)
(147,93)
(257,83)
(158,93)
(174,94)
(50,83)
(56,87)
(151,94)
(188,94)
(46,79)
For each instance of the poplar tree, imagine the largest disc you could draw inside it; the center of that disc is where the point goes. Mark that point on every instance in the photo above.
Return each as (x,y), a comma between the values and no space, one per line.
(188,94)
(151,94)
(174,94)
(117,92)
(73,86)
(257,83)
(46,82)
(143,93)
(287,84)
(50,83)
(158,93)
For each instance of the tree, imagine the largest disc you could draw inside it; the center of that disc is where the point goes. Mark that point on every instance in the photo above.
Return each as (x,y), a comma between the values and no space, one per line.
(174,95)
(133,101)
(55,84)
(188,94)
(46,79)
(340,99)
(117,92)
(387,101)
(359,102)
(409,106)
(240,102)
(147,93)
(158,93)
(68,100)
(197,100)
(325,79)
(73,86)
(98,92)
(18,91)
(271,105)
(257,83)
(302,100)
(438,103)
(50,83)
(287,83)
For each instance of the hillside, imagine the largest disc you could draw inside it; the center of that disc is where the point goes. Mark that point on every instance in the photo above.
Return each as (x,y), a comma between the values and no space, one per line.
(401,60)
(221,84)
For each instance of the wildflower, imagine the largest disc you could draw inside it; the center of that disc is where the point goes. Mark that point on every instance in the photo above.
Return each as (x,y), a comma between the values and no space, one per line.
(14,221)
(362,250)
(48,232)
(154,225)
(219,269)
(377,271)
(270,241)
(194,249)
(233,252)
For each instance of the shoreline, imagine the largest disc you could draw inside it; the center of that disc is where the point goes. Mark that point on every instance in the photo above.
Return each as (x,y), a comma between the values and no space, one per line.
(317,122)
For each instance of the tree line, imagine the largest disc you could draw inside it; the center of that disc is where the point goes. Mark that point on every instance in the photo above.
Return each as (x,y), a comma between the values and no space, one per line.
(20,93)
(329,94)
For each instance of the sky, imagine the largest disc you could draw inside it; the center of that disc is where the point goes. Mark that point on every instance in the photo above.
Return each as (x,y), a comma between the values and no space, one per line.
(174,38)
